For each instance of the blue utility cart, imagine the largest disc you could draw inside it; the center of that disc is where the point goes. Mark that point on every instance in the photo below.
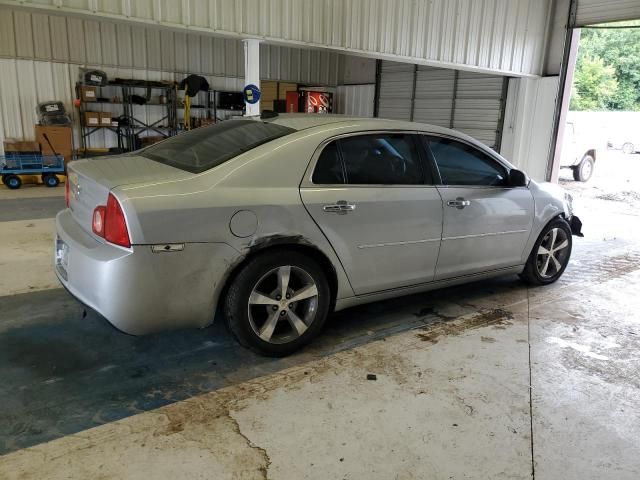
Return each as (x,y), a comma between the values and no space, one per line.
(14,164)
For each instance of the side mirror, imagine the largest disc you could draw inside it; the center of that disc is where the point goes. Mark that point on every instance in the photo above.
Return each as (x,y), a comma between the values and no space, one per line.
(517,178)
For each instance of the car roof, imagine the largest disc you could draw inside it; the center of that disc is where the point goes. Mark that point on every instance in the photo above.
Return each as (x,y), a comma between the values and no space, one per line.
(303,121)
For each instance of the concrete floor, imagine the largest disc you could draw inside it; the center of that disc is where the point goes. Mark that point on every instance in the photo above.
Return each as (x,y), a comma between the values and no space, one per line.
(488,380)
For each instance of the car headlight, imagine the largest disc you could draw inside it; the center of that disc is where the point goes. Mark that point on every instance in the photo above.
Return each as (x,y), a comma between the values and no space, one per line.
(568,205)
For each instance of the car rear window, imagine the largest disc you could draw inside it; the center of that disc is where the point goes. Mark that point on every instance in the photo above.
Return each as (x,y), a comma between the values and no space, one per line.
(207,147)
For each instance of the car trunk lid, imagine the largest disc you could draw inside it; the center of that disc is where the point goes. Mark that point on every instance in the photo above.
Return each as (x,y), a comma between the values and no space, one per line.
(90,181)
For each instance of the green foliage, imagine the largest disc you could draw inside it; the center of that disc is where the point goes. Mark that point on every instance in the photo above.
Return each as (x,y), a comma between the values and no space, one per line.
(608,70)
(594,86)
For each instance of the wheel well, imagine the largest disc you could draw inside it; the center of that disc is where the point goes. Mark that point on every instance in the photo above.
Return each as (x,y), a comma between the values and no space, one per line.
(591,153)
(310,251)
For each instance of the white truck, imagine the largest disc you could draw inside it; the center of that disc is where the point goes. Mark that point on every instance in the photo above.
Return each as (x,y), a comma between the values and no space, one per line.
(577,155)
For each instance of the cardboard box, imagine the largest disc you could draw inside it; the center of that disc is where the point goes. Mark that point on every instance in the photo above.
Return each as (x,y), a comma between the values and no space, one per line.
(60,138)
(88,93)
(21,146)
(105,119)
(92,119)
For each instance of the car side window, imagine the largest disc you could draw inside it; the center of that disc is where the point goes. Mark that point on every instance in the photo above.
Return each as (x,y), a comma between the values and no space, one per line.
(381,159)
(462,164)
(329,169)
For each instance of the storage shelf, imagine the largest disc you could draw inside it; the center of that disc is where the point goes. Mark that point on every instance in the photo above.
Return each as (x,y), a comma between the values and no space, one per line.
(136,125)
(128,135)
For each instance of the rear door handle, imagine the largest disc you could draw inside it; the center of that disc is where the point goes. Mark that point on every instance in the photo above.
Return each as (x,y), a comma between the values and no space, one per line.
(458,203)
(341,207)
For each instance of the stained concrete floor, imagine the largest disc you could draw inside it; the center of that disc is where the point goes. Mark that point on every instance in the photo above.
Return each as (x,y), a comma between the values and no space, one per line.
(488,380)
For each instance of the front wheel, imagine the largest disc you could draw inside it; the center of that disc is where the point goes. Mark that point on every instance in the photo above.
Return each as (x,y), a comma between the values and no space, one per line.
(550,254)
(583,171)
(278,303)
(628,148)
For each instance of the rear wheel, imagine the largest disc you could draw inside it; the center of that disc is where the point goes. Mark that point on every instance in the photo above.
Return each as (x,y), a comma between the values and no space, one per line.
(550,254)
(628,148)
(12,181)
(583,171)
(278,303)
(50,180)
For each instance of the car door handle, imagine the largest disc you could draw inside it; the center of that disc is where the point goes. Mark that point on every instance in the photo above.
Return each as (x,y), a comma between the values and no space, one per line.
(341,207)
(458,203)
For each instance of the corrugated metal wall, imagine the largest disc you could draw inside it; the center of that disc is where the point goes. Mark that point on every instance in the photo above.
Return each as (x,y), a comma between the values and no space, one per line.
(505,35)
(356,100)
(467,101)
(591,12)
(527,129)
(40,55)
(40,36)
(27,82)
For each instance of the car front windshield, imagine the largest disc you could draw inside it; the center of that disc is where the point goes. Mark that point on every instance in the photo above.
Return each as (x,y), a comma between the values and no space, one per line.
(207,147)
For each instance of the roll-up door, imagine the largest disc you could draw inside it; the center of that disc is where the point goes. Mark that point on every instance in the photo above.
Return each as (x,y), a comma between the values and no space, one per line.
(479,106)
(472,103)
(396,87)
(591,12)
(434,96)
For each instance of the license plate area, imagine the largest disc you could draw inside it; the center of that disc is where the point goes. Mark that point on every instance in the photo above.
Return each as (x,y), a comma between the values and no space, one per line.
(62,258)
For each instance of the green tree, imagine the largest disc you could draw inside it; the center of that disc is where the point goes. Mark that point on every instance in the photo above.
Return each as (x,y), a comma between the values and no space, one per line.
(618,48)
(594,87)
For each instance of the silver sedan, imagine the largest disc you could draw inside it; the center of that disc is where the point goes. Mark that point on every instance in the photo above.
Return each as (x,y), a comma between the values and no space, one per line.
(281,221)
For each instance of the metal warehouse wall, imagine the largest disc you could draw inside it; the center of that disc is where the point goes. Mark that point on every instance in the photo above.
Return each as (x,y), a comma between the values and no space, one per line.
(498,35)
(40,55)
(39,36)
(356,100)
(27,82)
(527,134)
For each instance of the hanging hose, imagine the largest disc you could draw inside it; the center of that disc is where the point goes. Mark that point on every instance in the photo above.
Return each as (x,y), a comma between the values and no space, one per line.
(187,112)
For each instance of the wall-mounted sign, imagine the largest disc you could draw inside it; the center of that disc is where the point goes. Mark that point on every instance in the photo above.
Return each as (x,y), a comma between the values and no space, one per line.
(251,94)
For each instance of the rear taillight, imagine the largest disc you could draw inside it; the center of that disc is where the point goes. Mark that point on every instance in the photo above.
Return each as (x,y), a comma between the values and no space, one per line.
(67,192)
(109,223)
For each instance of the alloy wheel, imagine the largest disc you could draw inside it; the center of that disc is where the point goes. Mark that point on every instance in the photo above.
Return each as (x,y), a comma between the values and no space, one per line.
(552,253)
(283,304)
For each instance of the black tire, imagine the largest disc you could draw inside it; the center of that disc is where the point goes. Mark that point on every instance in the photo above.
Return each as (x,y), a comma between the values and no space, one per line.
(531,273)
(628,148)
(237,301)
(12,181)
(50,180)
(584,170)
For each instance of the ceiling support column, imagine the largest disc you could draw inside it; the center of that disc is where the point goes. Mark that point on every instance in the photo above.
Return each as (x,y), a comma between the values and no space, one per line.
(252,71)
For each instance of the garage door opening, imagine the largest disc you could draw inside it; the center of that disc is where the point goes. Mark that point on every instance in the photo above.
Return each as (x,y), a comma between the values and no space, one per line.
(600,157)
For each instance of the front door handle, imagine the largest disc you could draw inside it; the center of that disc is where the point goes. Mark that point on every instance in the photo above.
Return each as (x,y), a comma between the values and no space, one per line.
(341,207)
(458,203)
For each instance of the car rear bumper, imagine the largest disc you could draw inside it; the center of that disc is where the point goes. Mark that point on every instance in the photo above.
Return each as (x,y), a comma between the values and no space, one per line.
(140,291)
